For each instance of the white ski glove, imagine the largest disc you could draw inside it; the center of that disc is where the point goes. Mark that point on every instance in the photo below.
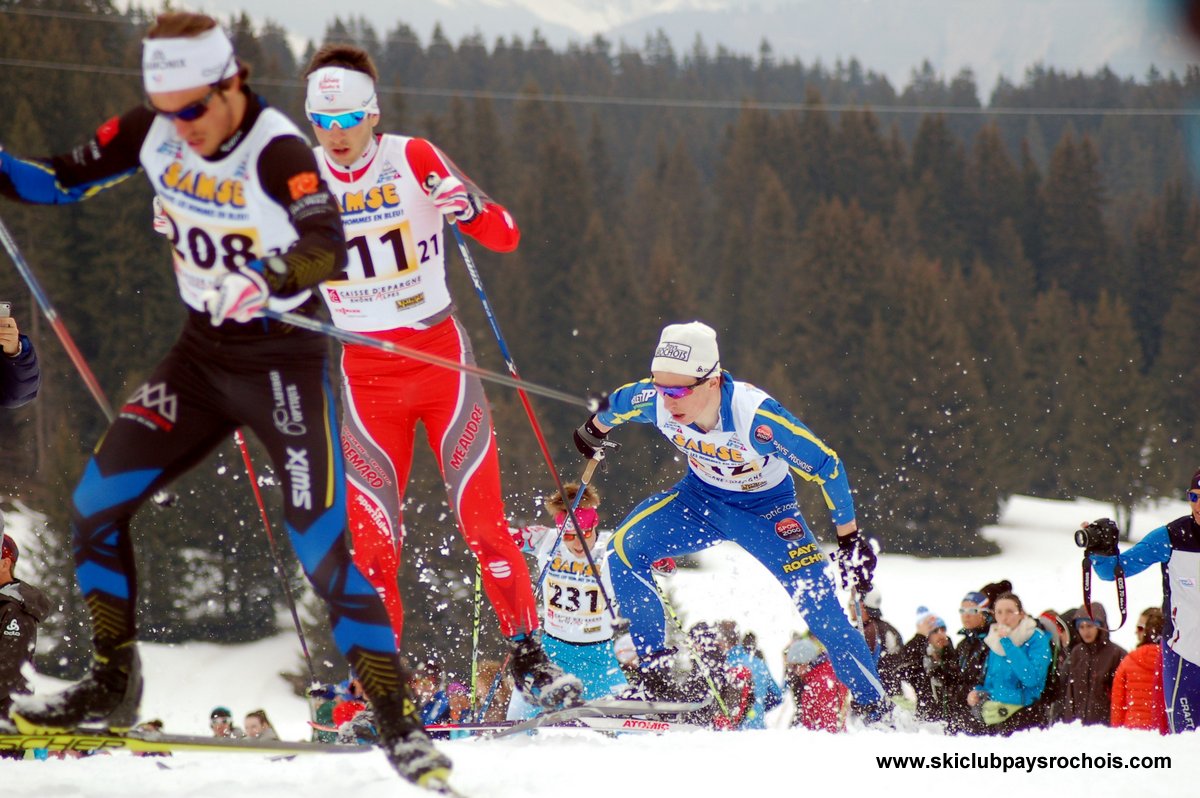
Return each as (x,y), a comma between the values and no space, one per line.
(238,295)
(452,198)
(162,223)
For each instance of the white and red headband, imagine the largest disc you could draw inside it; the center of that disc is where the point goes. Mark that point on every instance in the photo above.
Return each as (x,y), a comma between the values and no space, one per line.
(187,62)
(335,88)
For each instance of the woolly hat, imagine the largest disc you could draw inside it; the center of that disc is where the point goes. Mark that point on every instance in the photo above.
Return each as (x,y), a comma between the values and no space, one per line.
(803,651)
(346,711)
(220,712)
(924,612)
(689,349)
(1195,483)
(978,599)
(9,550)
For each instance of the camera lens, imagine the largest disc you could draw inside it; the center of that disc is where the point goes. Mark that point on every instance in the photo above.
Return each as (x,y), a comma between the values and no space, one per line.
(1081,538)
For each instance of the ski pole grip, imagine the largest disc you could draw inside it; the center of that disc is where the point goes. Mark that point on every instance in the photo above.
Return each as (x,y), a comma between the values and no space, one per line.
(590,468)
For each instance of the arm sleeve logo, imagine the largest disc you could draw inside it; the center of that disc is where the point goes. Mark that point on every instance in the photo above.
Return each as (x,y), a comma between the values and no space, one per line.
(302,185)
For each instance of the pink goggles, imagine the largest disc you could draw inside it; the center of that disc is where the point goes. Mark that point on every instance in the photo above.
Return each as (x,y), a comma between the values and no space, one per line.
(588,520)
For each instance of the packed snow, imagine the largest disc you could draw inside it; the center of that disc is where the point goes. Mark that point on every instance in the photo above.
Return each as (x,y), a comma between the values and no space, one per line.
(185,682)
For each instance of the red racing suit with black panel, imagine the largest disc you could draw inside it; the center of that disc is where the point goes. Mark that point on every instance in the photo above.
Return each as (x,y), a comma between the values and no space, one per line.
(258,196)
(394,289)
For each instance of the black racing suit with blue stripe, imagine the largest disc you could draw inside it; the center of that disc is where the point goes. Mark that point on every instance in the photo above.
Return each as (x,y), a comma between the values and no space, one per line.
(269,377)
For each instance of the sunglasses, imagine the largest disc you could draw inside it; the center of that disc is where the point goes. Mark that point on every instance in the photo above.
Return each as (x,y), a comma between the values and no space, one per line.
(188,113)
(587,533)
(1193,496)
(220,720)
(969,611)
(337,121)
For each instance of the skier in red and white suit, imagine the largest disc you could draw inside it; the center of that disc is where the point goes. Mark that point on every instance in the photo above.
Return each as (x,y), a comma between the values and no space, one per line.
(394,193)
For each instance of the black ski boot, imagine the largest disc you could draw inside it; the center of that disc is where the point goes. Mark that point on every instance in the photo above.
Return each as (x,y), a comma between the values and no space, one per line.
(107,697)
(407,745)
(543,683)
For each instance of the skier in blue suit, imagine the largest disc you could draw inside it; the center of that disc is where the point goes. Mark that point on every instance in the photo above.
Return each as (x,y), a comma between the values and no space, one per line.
(741,446)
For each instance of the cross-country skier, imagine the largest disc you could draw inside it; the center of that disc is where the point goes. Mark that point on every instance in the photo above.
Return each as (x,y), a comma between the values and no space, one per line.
(252,225)
(576,619)
(742,447)
(394,193)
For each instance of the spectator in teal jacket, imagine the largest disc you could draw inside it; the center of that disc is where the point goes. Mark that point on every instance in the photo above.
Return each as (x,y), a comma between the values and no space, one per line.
(1015,675)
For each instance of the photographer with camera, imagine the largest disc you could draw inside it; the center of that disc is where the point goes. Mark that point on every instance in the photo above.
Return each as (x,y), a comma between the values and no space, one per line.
(20,376)
(1176,548)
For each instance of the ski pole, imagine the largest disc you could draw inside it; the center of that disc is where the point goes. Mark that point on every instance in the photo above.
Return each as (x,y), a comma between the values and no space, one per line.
(475,639)
(287,588)
(687,641)
(162,498)
(350,337)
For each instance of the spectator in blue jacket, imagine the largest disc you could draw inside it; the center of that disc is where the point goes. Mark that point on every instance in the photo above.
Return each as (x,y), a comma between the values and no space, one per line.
(1015,675)
(767,694)
(20,376)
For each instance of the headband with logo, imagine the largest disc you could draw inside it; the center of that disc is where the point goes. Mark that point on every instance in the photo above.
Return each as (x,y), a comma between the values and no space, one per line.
(187,62)
(335,88)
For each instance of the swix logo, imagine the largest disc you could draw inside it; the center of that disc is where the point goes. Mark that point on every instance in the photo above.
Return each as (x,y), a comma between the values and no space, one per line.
(13,629)
(153,404)
(298,472)
(674,351)
(467,438)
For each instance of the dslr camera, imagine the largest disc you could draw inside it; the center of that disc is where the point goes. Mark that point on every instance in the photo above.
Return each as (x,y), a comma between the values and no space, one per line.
(1099,537)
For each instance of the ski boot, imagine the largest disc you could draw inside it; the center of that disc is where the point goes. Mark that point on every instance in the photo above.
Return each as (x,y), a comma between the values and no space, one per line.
(543,683)
(107,697)
(407,745)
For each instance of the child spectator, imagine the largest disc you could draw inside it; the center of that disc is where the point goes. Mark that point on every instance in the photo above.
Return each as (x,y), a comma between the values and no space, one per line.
(256,725)
(1137,691)
(820,697)
(1093,664)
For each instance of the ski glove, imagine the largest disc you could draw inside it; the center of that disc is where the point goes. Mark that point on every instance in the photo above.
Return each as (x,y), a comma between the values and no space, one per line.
(664,567)
(856,561)
(452,199)
(589,439)
(238,295)
(162,224)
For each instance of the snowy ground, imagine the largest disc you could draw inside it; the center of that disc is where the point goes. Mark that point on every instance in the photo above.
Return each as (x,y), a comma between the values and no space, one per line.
(185,682)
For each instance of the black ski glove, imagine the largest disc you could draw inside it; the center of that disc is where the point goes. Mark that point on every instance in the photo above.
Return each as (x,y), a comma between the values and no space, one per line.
(589,439)
(856,561)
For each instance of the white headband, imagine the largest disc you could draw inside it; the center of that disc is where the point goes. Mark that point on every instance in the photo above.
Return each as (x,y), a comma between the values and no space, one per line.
(187,63)
(335,88)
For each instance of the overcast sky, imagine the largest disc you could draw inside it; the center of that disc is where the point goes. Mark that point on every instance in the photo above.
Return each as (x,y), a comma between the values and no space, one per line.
(992,37)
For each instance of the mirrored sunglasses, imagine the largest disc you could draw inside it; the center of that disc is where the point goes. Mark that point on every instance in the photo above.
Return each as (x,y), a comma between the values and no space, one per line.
(969,611)
(337,121)
(1193,496)
(587,533)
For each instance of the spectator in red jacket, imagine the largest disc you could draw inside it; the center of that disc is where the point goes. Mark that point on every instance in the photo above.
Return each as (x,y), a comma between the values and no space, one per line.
(819,695)
(1137,691)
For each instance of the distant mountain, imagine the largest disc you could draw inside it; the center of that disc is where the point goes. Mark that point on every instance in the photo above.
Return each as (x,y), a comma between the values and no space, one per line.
(893,37)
